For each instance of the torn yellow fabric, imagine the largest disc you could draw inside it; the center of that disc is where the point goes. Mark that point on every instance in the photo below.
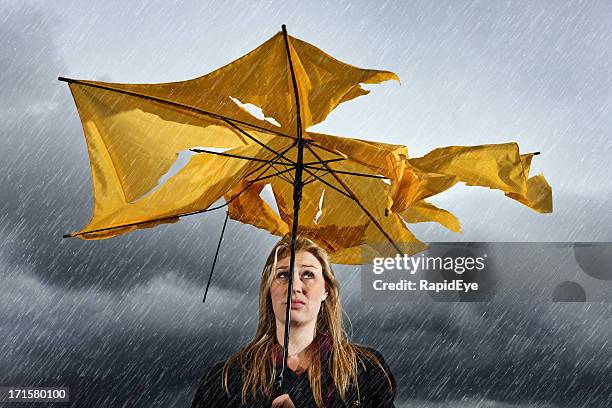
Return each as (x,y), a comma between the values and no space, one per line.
(416,185)
(329,214)
(357,197)
(538,196)
(247,206)
(262,78)
(422,211)
(493,165)
(379,158)
(324,82)
(497,166)
(133,145)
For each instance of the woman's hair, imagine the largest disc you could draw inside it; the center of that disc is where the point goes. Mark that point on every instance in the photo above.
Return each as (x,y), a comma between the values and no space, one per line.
(256,358)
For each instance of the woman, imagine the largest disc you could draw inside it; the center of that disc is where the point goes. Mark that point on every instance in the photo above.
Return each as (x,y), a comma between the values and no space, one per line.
(323,368)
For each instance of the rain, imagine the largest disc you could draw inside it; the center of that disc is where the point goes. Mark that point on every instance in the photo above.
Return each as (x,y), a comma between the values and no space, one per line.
(121,322)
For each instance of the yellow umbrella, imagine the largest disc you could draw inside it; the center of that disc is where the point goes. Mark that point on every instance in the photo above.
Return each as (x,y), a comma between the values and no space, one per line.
(354,197)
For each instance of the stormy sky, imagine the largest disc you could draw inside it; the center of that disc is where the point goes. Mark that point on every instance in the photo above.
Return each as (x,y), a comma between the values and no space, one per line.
(121,322)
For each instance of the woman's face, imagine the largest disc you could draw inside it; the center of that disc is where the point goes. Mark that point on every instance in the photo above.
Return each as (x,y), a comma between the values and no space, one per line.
(308,288)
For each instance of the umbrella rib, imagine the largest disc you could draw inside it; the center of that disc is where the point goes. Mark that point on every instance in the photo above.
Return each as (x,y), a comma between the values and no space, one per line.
(310,178)
(226,119)
(249,183)
(317,145)
(266,147)
(350,173)
(212,269)
(236,156)
(175,104)
(344,193)
(284,176)
(192,109)
(270,165)
(253,138)
(354,198)
(275,157)
(172,216)
(324,161)
(278,173)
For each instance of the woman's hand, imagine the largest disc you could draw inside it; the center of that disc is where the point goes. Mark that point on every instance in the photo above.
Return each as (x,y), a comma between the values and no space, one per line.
(283,401)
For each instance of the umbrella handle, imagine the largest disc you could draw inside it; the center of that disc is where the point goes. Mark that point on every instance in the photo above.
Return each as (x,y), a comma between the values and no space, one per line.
(277,388)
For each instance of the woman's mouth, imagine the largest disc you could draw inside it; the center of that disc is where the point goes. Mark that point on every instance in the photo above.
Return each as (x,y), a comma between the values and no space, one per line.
(296,304)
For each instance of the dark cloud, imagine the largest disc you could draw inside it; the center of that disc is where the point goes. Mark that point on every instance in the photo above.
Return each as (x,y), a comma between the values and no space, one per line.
(504,352)
(111,347)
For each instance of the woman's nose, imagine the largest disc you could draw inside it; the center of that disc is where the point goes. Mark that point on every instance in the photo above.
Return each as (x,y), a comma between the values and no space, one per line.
(297,284)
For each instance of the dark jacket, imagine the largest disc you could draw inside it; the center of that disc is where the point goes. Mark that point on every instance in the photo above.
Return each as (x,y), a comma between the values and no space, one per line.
(374,390)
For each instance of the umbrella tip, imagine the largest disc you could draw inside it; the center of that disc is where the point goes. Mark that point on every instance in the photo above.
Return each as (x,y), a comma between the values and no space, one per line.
(67,236)
(536,153)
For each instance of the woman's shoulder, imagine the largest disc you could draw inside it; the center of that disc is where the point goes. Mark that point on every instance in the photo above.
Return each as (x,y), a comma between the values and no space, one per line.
(369,356)
(375,375)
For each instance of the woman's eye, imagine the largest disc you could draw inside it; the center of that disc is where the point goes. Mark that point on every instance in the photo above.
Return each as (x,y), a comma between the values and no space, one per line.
(282,275)
(308,275)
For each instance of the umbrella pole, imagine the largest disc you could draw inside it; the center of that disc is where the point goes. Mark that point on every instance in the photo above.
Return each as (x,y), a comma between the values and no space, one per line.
(297,197)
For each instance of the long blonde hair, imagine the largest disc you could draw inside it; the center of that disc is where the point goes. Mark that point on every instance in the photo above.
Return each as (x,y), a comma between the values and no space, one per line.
(258,366)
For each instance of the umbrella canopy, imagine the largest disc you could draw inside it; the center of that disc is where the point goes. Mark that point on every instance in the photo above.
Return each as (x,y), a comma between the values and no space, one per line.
(356,194)
(354,197)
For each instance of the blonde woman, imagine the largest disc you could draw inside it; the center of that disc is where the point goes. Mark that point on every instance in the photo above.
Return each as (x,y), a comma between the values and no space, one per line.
(324,369)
